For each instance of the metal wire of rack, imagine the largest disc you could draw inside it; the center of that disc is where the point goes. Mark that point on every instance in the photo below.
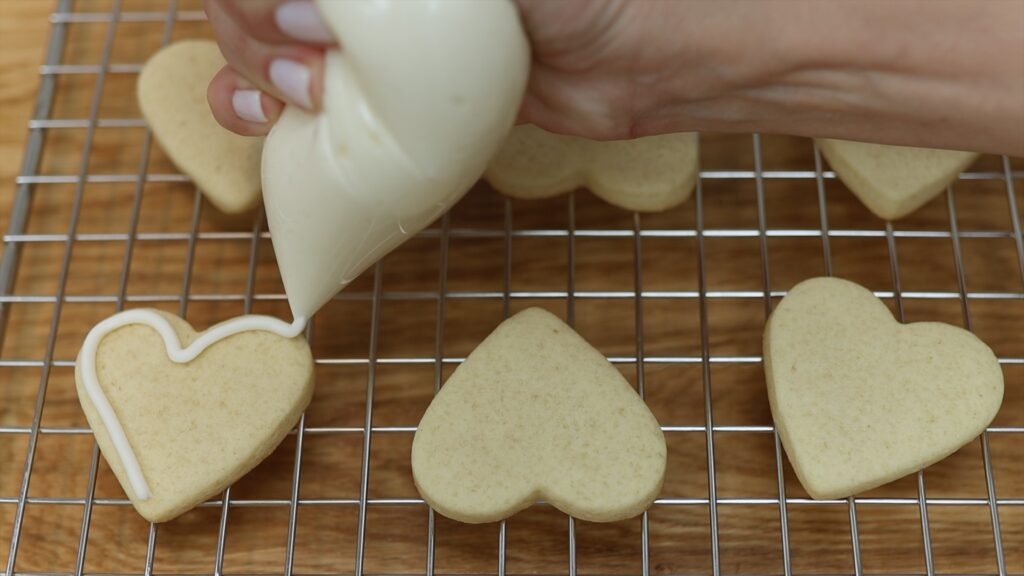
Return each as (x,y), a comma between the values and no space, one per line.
(34,551)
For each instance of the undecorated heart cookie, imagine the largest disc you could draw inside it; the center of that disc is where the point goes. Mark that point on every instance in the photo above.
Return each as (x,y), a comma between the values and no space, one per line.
(646,174)
(172,96)
(893,181)
(176,433)
(534,413)
(859,399)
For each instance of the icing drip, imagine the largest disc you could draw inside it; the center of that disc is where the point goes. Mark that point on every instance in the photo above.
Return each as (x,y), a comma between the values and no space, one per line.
(90,381)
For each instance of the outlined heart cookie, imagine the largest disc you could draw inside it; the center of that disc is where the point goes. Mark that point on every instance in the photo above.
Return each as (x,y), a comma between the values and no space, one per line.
(533,413)
(859,399)
(172,96)
(191,428)
(647,174)
(893,181)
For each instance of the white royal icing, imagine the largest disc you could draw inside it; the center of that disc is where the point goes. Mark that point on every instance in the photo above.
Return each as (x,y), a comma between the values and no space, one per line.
(175,352)
(415,106)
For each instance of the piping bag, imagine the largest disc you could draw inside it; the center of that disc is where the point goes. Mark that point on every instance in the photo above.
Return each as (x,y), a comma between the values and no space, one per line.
(416,103)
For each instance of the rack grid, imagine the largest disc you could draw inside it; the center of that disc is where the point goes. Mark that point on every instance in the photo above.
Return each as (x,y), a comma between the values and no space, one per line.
(102,221)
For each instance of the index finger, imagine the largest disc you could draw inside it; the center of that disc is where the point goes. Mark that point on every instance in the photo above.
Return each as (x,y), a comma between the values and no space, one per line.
(279,22)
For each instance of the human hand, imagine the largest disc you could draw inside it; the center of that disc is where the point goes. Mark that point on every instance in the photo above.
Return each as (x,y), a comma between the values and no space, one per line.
(617,69)
(274,51)
(582,79)
(884,72)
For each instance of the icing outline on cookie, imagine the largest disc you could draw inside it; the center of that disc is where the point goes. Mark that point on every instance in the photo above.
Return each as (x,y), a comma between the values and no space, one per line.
(177,354)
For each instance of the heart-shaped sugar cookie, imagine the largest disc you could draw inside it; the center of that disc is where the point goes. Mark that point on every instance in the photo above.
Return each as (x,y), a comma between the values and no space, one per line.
(893,181)
(859,399)
(193,428)
(646,174)
(172,96)
(534,413)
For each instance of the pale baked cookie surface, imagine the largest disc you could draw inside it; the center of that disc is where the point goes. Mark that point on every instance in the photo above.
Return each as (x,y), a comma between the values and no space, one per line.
(536,413)
(860,399)
(893,181)
(196,427)
(646,174)
(172,96)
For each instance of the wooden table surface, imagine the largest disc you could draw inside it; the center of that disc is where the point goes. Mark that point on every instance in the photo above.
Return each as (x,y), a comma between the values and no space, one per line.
(23,29)
(605,259)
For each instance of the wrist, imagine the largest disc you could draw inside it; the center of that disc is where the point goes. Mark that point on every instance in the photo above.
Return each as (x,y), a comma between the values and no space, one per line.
(944,75)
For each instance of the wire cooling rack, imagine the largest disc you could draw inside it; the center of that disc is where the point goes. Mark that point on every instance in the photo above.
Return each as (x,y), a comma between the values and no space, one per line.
(102,221)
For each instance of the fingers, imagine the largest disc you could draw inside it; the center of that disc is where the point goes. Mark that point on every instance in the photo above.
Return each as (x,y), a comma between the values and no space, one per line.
(276,22)
(240,106)
(258,48)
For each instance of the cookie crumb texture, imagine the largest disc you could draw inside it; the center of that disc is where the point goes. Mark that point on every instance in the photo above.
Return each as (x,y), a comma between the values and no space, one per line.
(197,427)
(860,399)
(647,174)
(536,413)
(172,96)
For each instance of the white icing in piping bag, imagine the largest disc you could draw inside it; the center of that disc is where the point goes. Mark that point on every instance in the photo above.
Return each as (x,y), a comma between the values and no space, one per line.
(90,381)
(417,101)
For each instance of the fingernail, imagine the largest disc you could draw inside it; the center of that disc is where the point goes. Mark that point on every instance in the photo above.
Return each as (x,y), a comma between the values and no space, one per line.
(292,79)
(301,20)
(248,105)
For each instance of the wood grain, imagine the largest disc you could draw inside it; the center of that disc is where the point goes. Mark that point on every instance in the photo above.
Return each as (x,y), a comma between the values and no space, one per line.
(23,29)
(749,535)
